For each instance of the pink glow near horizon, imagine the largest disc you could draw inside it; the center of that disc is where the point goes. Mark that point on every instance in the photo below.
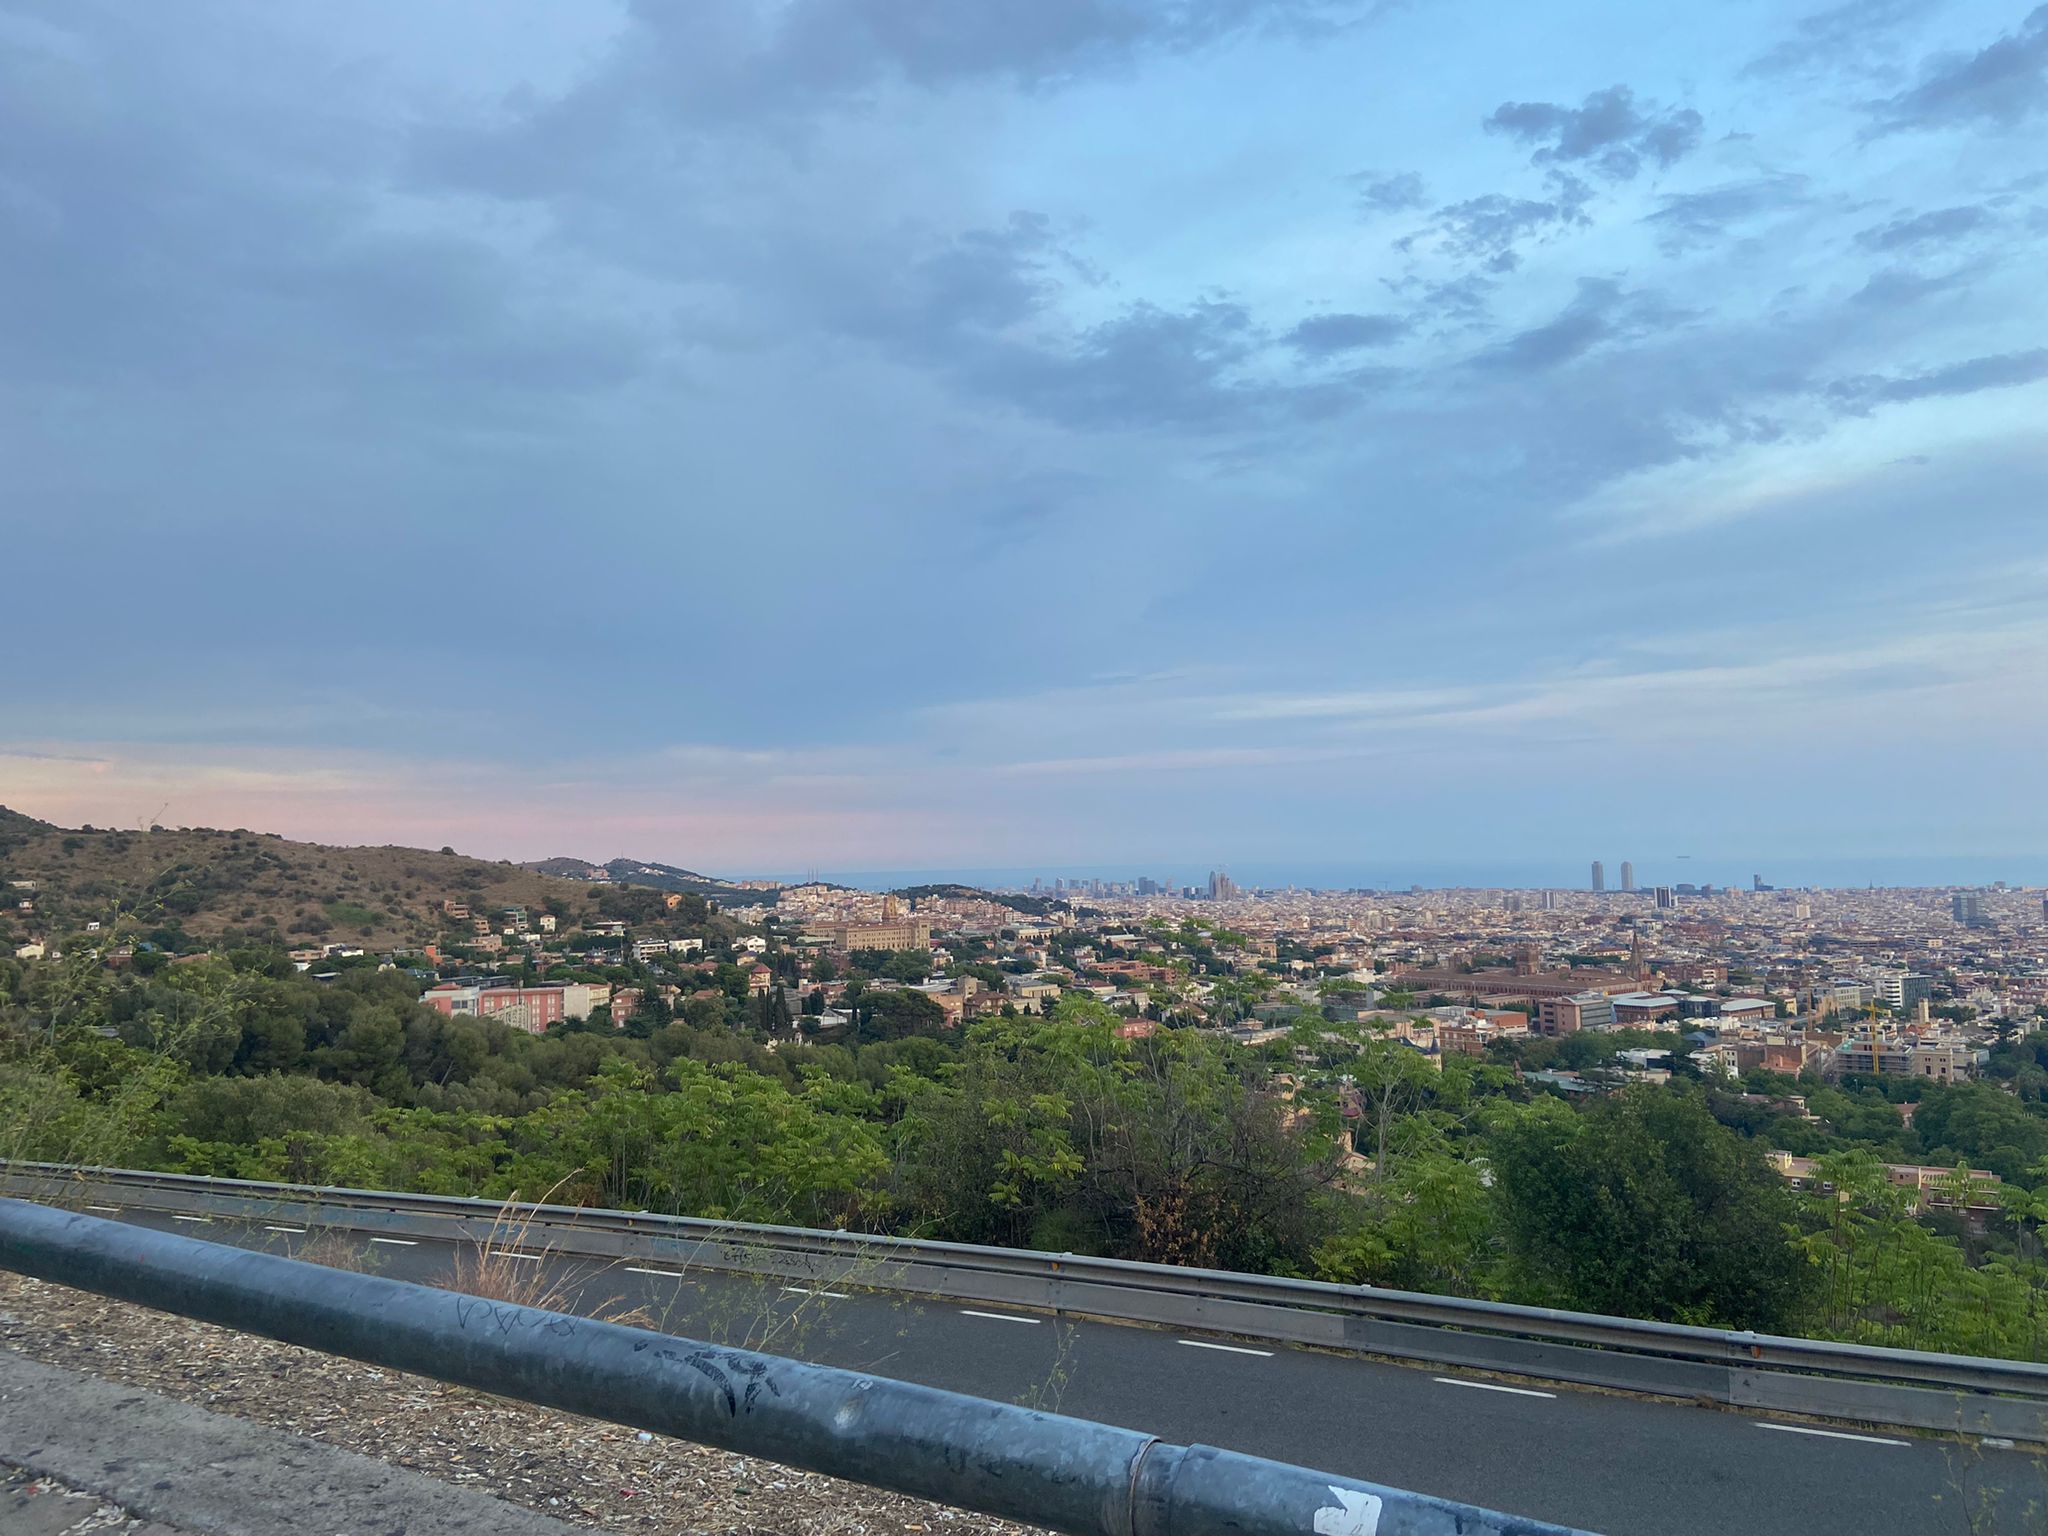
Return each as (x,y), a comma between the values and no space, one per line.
(488,816)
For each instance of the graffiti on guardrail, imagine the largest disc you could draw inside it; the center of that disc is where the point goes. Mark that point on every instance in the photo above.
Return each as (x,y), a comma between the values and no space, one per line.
(1354,1514)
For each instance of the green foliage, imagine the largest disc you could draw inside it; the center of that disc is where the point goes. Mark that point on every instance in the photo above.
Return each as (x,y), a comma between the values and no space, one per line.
(893,1015)
(720,1142)
(1332,1150)
(636,904)
(891,964)
(1885,1278)
(1977,1124)
(239,1110)
(1643,1205)
(1432,1229)
(1590,1048)
(1159,1148)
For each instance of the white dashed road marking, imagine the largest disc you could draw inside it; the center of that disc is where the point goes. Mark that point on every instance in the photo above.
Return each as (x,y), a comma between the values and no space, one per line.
(103,1208)
(396,1242)
(1831,1434)
(999,1317)
(672,1274)
(1491,1386)
(295,1231)
(201,1220)
(1234,1349)
(797,1290)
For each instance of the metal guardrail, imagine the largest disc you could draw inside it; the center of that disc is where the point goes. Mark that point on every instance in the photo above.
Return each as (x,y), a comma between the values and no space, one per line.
(1068,1474)
(1816,1377)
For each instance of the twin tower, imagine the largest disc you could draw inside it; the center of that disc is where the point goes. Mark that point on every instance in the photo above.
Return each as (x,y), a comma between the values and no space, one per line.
(1628,876)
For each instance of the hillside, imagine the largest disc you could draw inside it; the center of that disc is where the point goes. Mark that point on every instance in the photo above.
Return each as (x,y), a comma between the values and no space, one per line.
(213,884)
(661,877)
(1032,906)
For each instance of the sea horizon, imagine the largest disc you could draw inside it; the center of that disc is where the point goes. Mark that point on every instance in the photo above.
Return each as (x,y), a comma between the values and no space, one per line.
(1397,875)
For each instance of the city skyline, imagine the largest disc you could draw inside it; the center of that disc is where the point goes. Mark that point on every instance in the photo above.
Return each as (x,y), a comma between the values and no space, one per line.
(1396,877)
(906,435)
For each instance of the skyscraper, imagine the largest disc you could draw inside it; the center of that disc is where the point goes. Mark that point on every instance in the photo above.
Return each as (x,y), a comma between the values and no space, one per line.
(1665,898)
(1628,875)
(1599,876)
(1968,908)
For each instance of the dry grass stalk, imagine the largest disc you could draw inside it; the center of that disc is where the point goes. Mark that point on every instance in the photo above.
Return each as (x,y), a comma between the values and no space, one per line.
(506,1265)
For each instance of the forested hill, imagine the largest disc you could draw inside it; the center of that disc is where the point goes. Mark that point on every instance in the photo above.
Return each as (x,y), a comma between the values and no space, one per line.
(660,877)
(214,884)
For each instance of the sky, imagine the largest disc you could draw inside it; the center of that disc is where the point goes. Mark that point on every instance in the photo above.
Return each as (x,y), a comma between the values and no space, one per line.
(787,435)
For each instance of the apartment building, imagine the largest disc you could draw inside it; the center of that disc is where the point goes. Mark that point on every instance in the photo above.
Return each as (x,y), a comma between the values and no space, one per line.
(532,1009)
(1940,1058)
(1557,1017)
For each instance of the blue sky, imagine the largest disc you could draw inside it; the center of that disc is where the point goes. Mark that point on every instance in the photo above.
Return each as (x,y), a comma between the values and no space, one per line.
(890,433)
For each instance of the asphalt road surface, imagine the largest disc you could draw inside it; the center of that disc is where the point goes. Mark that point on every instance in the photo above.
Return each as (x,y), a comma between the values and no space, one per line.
(1618,1465)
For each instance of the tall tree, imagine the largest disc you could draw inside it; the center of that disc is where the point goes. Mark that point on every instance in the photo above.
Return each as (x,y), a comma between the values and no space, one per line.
(1644,1205)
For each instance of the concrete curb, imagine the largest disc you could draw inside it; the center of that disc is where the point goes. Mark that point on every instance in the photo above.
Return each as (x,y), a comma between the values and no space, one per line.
(217,1476)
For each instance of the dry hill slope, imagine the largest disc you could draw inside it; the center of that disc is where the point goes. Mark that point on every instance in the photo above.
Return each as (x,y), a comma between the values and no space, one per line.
(214,884)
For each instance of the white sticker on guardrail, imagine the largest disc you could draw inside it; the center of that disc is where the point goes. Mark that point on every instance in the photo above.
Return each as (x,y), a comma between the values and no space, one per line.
(1354,1514)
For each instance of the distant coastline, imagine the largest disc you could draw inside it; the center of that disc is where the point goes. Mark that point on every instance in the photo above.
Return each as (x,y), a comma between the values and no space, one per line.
(2019,870)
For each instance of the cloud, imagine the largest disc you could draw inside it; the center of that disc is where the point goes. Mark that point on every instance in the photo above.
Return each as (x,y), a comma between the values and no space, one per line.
(161,249)
(1389,194)
(781,229)
(718,63)
(1325,335)
(2003,83)
(2002,371)
(1492,227)
(1180,760)
(1600,312)
(1686,220)
(922,301)
(1375,704)
(1894,288)
(1030,41)
(1768,681)
(1855,39)
(1937,226)
(1463,300)
(1148,367)
(984,308)
(1607,132)
(743,286)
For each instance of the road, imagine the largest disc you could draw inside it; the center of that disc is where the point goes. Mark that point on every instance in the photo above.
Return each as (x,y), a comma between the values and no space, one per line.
(1618,1465)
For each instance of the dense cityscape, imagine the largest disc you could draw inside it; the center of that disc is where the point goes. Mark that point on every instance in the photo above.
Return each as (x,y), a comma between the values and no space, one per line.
(1581,992)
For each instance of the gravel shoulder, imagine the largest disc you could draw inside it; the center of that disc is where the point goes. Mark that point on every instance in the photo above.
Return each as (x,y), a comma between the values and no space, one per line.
(575,1469)
(31,1505)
